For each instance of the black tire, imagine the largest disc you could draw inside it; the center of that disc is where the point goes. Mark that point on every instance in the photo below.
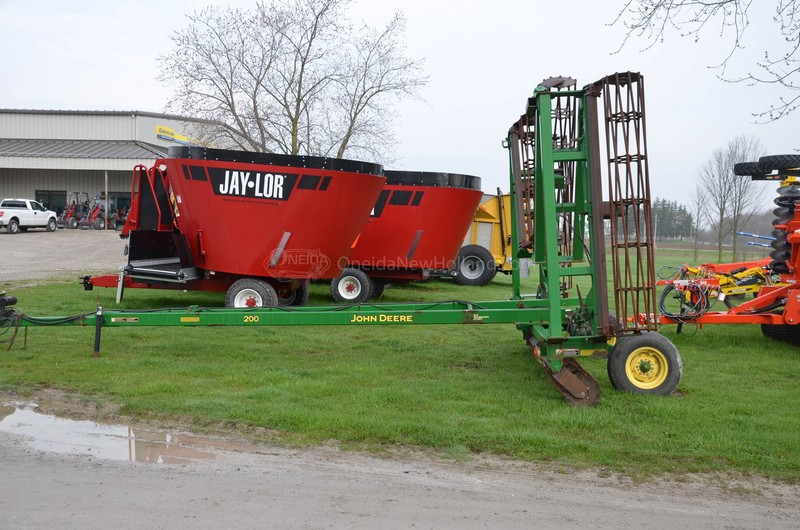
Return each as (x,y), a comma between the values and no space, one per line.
(474,266)
(251,293)
(289,295)
(23,229)
(99,224)
(51,225)
(647,363)
(782,332)
(352,286)
(778,162)
(13,227)
(377,290)
(72,223)
(301,295)
(747,169)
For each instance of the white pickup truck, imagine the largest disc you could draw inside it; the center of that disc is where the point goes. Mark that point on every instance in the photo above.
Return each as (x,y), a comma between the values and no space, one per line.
(17,215)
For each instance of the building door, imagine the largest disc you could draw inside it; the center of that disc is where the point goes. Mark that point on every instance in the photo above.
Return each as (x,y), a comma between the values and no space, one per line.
(52,200)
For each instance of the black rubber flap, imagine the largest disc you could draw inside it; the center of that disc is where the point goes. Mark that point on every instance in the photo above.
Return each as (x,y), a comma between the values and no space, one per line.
(427,178)
(273,159)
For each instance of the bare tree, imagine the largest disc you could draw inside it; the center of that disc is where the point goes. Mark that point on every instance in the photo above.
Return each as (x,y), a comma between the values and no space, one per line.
(697,204)
(746,196)
(730,200)
(653,19)
(292,77)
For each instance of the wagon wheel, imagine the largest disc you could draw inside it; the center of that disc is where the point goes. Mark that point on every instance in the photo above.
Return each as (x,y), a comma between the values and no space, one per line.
(251,293)
(352,286)
(377,290)
(474,266)
(647,363)
(289,295)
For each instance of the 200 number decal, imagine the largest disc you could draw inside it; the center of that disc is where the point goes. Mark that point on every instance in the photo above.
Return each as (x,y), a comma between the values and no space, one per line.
(251,319)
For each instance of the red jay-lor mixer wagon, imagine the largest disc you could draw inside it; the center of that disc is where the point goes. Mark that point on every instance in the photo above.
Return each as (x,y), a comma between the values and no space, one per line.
(257,226)
(414,232)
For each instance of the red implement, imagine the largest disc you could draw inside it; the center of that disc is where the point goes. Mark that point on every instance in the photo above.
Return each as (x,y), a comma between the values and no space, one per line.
(418,224)
(202,219)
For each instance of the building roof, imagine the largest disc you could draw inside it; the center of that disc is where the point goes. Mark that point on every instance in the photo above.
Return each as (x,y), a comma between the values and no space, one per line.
(97,149)
(108,113)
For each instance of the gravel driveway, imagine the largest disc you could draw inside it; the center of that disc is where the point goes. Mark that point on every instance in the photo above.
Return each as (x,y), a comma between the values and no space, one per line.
(38,254)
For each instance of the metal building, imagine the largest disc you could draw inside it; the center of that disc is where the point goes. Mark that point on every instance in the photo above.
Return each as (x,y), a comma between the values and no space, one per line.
(48,155)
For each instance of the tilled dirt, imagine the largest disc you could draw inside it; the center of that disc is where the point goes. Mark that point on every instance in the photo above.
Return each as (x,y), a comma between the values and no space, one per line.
(257,485)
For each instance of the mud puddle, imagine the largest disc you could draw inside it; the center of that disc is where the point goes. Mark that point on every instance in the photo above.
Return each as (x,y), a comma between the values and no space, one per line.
(54,434)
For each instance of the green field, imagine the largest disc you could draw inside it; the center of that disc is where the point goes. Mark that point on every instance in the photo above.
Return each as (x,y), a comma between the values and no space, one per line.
(456,390)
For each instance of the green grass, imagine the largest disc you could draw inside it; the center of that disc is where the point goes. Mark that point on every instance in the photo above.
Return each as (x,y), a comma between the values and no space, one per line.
(456,390)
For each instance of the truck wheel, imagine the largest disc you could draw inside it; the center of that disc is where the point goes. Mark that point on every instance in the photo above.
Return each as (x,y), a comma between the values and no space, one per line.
(645,364)
(13,226)
(99,223)
(249,293)
(72,223)
(352,286)
(51,225)
(474,266)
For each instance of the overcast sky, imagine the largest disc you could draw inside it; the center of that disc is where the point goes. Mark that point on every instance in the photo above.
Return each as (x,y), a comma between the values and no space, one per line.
(484,59)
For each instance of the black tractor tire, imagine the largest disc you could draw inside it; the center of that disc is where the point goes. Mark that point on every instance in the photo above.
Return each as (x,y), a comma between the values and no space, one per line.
(647,363)
(747,169)
(778,162)
(474,266)
(99,224)
(782,332)
(13,227)
(352,286)
(72,223)
(251,293)
(52,225)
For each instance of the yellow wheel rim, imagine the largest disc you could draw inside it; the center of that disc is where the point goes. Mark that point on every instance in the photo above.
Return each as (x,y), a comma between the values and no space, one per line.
(647,368)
